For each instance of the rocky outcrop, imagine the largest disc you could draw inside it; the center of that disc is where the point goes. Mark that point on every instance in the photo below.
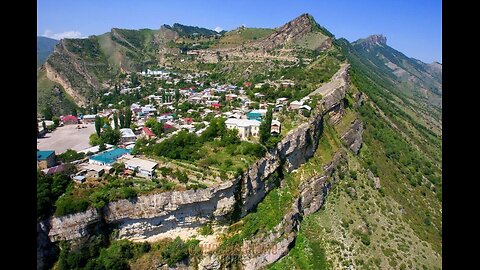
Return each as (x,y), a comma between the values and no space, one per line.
(54,76)
(73,226)
(209,262)
(46,250)
(267,248)
(370,41)
(294,29)
(353,136)
(147,216)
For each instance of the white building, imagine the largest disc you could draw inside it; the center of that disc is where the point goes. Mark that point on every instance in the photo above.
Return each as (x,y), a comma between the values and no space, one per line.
(282,100)
(275,127)
(245,127)
(127,135)
(94,149)
(295,105)
(305,107)
(89,118)
(144,168)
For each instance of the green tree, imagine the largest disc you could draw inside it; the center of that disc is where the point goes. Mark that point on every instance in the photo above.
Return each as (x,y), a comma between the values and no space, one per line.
(74,111)
(44,125)
(94,139)
(70,155)
(102,146)
(110,136)
(230,137)
(177,95)
(128,118)
(121,118)
(115,120)
(98,125)
(266,126)
(47,113)
(56,121)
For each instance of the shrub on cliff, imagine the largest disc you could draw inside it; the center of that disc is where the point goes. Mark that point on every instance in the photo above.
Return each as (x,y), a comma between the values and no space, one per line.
(177,251)
(49,188)
(65,205)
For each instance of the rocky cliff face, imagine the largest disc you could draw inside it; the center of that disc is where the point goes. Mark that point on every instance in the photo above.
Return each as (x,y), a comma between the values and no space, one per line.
(269,247)
(294,29)
(73,226)
(46,250)
(54,76)
(353,137)
(372,40)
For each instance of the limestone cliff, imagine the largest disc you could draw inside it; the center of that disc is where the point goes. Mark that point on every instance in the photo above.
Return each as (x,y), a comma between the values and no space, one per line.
(271,246)
(353,137)
(46,250)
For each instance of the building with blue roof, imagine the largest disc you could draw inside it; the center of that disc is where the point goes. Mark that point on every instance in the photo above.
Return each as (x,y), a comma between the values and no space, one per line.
(256,115)
(108,157)
(46,159)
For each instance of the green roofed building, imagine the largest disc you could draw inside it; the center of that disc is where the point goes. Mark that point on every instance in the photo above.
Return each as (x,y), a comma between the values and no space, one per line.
(45,159)
(108,157)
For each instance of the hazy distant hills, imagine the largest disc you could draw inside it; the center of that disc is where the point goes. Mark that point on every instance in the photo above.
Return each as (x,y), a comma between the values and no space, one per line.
(44,48)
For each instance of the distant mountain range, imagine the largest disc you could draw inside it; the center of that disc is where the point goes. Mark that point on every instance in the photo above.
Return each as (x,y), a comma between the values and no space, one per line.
(45,47)
(84,67)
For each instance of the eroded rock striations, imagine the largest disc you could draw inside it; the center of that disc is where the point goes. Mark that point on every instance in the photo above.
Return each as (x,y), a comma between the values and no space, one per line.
(267,248)
(353,136)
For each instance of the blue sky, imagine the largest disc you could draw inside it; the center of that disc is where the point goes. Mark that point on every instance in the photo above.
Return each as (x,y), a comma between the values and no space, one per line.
(412,27)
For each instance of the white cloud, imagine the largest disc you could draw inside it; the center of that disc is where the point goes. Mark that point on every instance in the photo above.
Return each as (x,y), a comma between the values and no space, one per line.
(218,29)
(66,34)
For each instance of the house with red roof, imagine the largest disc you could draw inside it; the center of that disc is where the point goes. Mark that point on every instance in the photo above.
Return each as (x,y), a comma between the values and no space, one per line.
(148,132)
(247,84)
(69,120)
(187,120)
(216,106)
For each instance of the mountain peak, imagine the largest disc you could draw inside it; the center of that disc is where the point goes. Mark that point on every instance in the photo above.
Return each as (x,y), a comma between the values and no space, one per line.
(303,22)
(371,41)
(377,39)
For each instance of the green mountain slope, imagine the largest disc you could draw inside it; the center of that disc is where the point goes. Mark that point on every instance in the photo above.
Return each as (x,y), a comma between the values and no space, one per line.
(386,213)
(417,78)
(44,48)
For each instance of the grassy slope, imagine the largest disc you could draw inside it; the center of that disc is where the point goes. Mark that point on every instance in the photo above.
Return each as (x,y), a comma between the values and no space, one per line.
(399,225)
(61,103)
(242,35)
(310,41)
(364,228)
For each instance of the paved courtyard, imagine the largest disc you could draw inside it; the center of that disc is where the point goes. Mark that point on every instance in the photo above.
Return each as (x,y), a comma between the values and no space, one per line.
(66,137)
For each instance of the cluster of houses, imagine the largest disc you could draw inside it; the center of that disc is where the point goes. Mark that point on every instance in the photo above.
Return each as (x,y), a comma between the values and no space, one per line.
(209,101)
(242,118)
(99,164)
(277,83)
